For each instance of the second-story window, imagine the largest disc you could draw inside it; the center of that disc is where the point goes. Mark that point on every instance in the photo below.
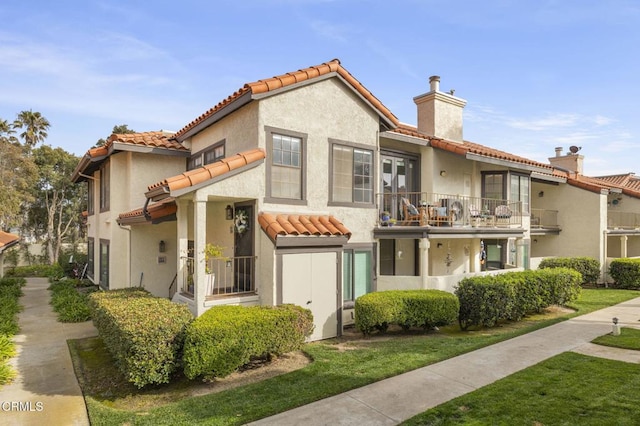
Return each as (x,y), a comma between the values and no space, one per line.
(105,183)
(351,174)
(520,190)
(207,156)
(286,171)
(91,191)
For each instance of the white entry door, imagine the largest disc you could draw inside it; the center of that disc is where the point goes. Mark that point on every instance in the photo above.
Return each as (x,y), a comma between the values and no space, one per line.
(310,280)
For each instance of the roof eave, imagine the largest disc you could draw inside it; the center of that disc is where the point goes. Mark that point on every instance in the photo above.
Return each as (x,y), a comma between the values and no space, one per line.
(234,105)
(506,163)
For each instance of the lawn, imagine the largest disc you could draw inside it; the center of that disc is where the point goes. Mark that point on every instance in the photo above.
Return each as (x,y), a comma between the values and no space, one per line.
(629,338)
(338,365)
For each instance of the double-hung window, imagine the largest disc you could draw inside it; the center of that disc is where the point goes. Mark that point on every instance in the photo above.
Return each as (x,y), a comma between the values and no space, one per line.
(351,174)
(207,156)
(286,176)
(105,186)
(91,194)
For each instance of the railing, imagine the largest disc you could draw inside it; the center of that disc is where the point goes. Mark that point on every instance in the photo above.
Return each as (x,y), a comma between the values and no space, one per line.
(433,209)
(223,277)
(544,219)
(623,220)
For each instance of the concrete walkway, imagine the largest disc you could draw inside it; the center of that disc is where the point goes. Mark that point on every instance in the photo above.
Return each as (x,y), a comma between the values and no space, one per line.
(399,398)
(45,391)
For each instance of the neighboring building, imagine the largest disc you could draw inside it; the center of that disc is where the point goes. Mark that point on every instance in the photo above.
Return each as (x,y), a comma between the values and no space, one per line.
(298,179)
(117,175)
(7,241)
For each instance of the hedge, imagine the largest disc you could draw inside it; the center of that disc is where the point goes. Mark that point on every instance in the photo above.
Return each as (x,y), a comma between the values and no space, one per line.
(625,272)
(225,338)
(406,308)
(144,334)
(50,271)
(488,299)
(10,292)
(68,302)
(587,266)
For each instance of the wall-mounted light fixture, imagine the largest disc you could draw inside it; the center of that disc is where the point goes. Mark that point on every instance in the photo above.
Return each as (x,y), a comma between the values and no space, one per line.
(162,247)
(228,212)
(541,194)
(443,173)
(439,245)
(535,240)
(400,254)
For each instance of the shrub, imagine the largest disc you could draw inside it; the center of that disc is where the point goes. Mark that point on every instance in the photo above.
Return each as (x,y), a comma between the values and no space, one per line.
(50,271)
(144,334)
(70,304)
(225,338)
(625,272)
(587,266)
(10,292)
(406,308)
(489,299)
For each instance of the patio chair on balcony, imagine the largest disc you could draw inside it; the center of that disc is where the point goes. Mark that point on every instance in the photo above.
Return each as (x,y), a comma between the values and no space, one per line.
(503,214)
(411,213)
(475,216)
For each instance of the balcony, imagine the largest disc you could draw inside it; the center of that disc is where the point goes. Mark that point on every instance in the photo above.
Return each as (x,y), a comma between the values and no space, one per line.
(224,277)
(623,220)
(544,219)
(445,210)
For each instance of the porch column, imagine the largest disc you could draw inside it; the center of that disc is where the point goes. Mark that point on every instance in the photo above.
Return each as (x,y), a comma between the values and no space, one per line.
(623,245)
(182,243)
(199,241)
(424,261)
(474,255)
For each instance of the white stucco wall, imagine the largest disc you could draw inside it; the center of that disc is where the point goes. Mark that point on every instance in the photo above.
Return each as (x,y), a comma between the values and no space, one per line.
(146,268)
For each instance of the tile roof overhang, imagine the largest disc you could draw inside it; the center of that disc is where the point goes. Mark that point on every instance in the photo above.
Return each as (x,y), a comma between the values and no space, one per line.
(206,175)
(7,240)
(159,142)
(162,211)
(296,230)
(288,81)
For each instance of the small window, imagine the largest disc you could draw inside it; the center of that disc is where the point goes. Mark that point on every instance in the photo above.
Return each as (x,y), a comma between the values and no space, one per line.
(91,193)
(90,257)
(214,154)
(104,263)
(104,186)
(194,162)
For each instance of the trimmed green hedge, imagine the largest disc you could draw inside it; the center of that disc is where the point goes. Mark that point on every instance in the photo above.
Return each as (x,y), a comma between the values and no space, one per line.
(406,308)
(225,338)
(488,299)
(144,334)
(10,292)
(625,272)
(587,266)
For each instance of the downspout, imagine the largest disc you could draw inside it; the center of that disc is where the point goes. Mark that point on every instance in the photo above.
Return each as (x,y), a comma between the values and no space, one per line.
(604,258)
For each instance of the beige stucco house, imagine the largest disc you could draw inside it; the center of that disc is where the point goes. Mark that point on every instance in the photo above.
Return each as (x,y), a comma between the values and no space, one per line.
(313,193)
(7,240)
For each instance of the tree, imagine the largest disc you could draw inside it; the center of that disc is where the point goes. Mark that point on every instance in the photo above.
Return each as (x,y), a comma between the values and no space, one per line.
(17,175)
(7,131)
(55,212)
(35,127)
(119,129)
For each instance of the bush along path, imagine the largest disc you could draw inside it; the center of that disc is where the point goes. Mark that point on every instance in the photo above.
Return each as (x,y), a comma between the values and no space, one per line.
(45,386)
(10,292)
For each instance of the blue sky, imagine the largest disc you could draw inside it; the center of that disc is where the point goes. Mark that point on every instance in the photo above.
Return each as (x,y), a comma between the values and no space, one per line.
(535,74)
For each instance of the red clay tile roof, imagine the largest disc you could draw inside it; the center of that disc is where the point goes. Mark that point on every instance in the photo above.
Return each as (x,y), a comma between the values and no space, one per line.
(275,225)
(157,139)
(288,79)
(7,240)
(157,211)
(209,171)
(627,180)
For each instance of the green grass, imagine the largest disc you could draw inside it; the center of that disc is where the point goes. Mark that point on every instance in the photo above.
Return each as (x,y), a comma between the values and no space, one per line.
(69,300)
(629,338)
(333,370)
(567,389)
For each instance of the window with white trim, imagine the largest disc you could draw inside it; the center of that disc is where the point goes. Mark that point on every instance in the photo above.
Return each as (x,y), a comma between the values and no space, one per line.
(351,174)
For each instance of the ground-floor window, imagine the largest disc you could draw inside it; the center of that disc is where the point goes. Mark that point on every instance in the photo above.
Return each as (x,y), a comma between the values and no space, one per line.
(104,263)
(399,257)
(357,272)
(90,257)
(495,254)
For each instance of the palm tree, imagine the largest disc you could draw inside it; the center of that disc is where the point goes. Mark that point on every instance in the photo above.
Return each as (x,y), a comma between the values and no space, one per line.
(6,132)
(35,127)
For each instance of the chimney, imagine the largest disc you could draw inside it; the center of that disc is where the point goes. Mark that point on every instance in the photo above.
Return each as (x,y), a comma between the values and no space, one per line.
(571,161)
(440,114)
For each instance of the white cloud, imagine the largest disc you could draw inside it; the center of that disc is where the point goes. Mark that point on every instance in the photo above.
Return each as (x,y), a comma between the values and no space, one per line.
(331,31)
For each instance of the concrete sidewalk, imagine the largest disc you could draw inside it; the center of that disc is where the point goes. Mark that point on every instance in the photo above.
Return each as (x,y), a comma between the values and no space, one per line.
(399,398)
(45,391)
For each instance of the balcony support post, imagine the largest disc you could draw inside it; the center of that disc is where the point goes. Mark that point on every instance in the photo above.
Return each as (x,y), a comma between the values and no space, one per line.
(425,244)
